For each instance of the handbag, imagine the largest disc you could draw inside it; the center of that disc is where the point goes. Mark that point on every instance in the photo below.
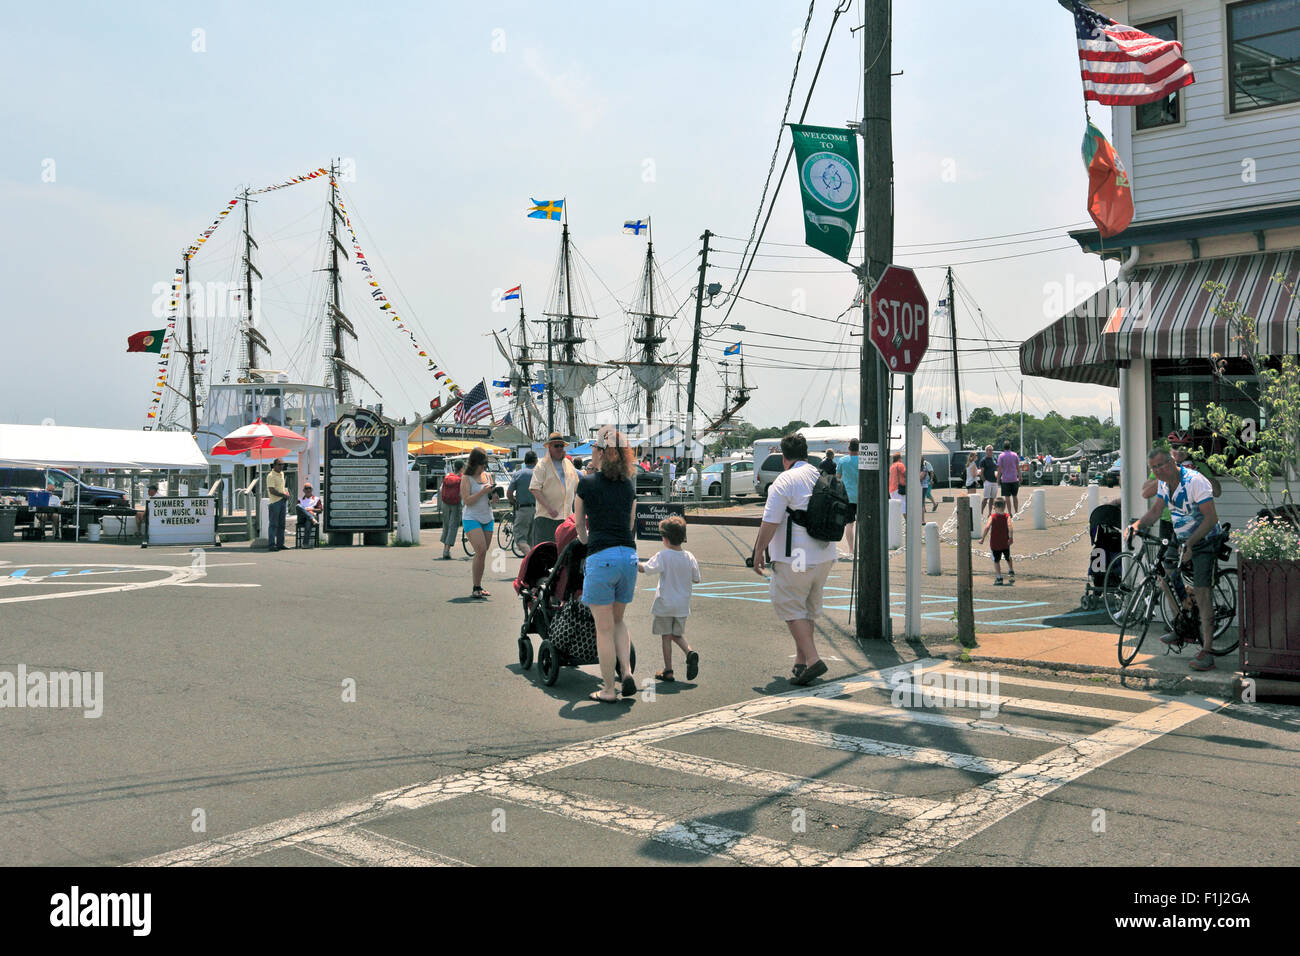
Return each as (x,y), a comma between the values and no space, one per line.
(573,631)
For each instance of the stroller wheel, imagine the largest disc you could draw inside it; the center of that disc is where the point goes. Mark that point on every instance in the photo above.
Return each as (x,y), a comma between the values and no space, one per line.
(525,653)
(548,663)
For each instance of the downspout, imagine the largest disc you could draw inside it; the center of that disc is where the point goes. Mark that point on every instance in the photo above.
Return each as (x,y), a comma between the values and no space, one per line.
(1132,472)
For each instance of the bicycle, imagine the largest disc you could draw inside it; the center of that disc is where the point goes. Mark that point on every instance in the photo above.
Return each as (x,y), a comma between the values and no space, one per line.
(1138,609)
(506,536)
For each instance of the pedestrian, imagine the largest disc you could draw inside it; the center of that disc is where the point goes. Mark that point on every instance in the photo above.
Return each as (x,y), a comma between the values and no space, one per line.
(521,498)
(801,563)
(450,505)
(927,483)
(279,495)
(1009,476)
(998,530)
(972,473)
(989,469)
(476,492)
(677,570)
(589,466)
(554,482)
(604,510)
(142,514)
(828,463)
(846,467)
(898,479)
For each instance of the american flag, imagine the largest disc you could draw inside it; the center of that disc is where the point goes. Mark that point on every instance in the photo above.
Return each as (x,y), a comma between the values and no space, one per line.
(475,406)
(1122,66)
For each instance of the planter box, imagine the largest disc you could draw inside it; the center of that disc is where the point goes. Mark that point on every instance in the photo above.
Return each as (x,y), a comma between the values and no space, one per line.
(1269,615)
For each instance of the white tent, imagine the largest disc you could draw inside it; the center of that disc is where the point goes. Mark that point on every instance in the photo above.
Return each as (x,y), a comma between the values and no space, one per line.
(61,446)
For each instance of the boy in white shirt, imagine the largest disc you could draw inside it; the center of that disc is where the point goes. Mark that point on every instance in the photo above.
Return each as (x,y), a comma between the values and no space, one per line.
(678,570)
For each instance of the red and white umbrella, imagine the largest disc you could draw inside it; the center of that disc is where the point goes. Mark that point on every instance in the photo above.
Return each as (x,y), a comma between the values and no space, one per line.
(261,434)
(266,453)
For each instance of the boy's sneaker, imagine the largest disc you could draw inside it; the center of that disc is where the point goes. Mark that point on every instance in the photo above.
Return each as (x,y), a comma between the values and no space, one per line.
(1202,662)
(997,580)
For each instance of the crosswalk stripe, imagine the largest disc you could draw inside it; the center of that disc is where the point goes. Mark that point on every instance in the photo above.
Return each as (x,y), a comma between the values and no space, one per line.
(1088,689)
(704,838)
(920,840)
(773,781)
(917,716)
(949,697)
(357,846)
(878,748)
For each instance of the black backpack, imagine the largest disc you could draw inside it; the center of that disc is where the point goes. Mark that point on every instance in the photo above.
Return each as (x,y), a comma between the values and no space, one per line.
(829,511)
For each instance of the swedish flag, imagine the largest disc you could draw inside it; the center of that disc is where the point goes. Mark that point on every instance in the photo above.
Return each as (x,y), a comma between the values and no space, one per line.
(550,209)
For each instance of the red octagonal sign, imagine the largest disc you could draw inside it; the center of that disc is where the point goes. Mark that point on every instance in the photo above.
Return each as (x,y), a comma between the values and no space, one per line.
(900,320)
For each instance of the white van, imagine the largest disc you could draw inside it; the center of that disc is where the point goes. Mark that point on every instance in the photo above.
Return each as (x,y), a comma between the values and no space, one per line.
(767,451)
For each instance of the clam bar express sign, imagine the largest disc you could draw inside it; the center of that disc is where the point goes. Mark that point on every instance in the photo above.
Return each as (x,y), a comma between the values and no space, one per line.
(358,474)
(182,521)
(648,516)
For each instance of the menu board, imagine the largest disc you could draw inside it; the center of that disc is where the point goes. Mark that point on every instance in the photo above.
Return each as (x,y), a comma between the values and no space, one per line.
(649,514)
(359,474)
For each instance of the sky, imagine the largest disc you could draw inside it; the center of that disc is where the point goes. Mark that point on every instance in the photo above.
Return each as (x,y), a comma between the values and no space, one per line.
(128,127)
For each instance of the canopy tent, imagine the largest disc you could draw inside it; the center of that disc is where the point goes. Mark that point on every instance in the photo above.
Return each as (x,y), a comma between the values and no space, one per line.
(583,449)
(1167,312)
(62,446)
(450,446)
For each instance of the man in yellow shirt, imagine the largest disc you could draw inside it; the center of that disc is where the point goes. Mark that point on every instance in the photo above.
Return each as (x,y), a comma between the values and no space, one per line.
(279,495)
(554,482)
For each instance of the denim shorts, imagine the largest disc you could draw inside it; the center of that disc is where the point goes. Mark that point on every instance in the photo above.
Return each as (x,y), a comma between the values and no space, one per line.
(610,577)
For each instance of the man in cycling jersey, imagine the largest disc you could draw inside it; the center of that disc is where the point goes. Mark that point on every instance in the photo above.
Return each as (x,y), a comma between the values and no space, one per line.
(1196,526)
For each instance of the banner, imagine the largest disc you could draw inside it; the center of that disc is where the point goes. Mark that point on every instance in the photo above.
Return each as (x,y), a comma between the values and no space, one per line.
(827,160)
(164,356)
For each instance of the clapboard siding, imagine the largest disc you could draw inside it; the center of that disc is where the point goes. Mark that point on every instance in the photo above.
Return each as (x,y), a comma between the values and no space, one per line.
(1236,504)
(1197,167)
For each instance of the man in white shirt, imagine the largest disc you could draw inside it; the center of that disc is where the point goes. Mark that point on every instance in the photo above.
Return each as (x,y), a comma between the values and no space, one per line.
(800,563)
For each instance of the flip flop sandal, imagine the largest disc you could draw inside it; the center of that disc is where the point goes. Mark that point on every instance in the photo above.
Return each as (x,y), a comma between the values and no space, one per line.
(665,675)
(692,665)
(480,594)
(629,686)
(604,700)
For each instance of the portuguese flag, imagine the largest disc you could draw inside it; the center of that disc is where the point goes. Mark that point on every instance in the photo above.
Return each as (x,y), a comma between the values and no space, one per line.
(146,341)
(1110,192)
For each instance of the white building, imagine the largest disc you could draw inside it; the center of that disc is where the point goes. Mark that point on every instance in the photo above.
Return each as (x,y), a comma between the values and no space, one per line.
(1215,169)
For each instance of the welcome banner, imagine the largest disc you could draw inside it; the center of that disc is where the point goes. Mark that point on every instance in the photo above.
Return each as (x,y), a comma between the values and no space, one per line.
(827,160)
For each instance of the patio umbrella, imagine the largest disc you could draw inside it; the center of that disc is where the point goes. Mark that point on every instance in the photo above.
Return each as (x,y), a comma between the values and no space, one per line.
(262,434)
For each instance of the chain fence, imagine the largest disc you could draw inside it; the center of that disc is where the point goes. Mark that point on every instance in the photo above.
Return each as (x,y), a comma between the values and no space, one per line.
(948,531)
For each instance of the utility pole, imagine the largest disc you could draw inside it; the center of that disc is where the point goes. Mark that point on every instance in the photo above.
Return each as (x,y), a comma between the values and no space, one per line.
(956,376)
(695,347)
(550,379)
(877,251)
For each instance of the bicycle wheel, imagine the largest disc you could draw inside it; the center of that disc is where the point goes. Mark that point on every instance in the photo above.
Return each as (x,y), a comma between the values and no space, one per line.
(518,544)
(1137,619)
(1224,596)
(506,533)
(464,543)
(1122,576)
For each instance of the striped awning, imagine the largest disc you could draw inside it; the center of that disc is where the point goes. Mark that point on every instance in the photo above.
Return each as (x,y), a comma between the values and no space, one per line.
(1167,312)
(1177,318)
(1073,348)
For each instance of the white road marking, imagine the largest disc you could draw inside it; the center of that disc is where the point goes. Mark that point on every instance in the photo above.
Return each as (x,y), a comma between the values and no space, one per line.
(173,575)
(876,748)
(918,716)
(773,781)
(357,846)
(949,696)
(931,827)
(216,584)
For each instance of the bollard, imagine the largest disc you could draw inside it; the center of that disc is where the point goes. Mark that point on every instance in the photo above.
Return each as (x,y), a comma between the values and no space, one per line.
(667,486)
(975,502)
(1040,509)
(1094,497)
(965,599)
(263,520)
(726,483)
(895,524)
(932,549)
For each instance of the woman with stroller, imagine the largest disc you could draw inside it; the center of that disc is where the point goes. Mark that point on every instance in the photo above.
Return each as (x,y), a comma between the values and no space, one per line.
(604,509)
(476,490)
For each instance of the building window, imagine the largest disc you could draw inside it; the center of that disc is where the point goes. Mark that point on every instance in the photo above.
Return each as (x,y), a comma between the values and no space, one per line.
(1263,53)
(1163,112)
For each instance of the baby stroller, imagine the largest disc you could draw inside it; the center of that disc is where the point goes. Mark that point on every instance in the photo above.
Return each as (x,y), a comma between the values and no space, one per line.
(1107,541)
(549,584)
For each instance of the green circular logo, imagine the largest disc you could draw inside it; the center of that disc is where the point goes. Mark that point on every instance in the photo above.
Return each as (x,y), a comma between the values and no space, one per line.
(831,179)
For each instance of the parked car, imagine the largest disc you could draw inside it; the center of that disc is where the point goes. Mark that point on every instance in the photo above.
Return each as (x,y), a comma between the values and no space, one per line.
(767,472)
(742,478)
(18,481)
(649,482)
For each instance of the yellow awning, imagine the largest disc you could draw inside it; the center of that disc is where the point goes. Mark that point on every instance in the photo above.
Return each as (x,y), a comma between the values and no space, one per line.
(449,446)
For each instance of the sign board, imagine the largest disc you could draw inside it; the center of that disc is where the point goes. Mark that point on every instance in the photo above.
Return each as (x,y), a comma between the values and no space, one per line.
(648,516)
(869,457)
(462,431)
(182,521)
(900,320)
(359,474)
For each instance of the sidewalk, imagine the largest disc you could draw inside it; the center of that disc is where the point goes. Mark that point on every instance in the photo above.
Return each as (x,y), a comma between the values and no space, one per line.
(1092,650)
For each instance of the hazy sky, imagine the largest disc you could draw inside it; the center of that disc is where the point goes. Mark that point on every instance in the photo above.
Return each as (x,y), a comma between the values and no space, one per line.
(149,117)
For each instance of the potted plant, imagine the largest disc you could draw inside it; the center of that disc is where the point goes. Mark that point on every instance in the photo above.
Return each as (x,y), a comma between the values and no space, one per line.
(1261,451)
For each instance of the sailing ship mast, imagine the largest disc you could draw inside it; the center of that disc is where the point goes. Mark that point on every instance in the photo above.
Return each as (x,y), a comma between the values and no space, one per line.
(574,375)
(524,387)
(730,408)
(254,341)
(649,338)
(339,323)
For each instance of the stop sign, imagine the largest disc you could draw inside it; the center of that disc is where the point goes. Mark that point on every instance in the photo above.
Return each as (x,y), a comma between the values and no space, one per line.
(900,320)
